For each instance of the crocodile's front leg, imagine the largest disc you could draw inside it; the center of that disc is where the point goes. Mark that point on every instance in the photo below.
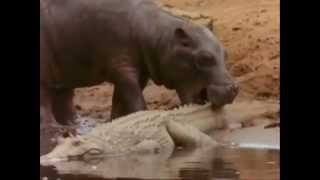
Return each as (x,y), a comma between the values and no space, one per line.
(188,136)
(161,143)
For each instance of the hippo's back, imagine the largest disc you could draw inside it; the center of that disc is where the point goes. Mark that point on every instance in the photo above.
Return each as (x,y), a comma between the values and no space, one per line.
(87,20)
(84,34)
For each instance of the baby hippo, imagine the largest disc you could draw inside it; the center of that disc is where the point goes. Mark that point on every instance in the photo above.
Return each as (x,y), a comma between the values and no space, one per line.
(84,43)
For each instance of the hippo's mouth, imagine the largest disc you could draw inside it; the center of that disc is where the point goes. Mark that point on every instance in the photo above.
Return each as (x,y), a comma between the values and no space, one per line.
(202,97)
(218,95)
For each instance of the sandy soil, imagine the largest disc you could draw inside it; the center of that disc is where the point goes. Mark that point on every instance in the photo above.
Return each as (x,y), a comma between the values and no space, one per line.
(249,29)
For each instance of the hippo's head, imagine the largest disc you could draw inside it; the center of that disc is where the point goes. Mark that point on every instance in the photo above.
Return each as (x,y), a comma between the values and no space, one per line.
(194,65)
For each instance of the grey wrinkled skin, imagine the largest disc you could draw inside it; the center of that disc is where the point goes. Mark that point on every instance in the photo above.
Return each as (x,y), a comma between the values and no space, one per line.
(125,42)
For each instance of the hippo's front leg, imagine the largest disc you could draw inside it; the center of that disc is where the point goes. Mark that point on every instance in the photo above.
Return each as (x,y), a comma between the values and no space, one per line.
(127,98)
(48,119)
(63,108)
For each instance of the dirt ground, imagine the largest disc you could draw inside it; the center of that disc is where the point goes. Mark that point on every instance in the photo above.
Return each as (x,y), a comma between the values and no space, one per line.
(249,29)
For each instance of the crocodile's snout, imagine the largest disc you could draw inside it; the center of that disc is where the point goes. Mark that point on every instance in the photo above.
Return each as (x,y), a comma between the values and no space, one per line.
(45,160)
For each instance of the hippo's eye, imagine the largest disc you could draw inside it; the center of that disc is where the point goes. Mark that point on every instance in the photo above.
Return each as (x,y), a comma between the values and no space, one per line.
(205,62)
(186,44)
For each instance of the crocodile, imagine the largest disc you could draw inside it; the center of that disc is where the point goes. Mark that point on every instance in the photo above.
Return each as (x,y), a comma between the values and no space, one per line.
(156,131)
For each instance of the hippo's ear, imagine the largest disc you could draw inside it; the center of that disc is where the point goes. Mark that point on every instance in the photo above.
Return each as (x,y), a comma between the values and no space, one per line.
(182,37)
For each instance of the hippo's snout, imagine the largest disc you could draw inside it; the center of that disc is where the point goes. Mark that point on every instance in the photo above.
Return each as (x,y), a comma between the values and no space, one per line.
(232,92)
(220,95)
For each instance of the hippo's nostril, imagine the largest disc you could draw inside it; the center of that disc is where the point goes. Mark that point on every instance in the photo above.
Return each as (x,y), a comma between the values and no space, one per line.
(235,88)
(233,91)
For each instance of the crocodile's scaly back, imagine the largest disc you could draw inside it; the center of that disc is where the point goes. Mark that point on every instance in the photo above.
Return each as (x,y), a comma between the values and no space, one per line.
(146,122)
(201,117)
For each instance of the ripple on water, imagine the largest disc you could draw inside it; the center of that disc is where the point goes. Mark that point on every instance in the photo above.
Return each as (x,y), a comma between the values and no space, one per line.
(213,164)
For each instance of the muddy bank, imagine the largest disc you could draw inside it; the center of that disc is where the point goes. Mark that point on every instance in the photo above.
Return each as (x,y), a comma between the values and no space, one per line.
(250,31)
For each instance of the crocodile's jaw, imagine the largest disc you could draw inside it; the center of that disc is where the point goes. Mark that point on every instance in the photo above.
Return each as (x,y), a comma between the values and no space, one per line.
(46,160)
(71,149)
(58,154)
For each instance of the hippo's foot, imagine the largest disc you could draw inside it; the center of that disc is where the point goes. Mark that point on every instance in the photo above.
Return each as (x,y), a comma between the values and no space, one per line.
(69,123)
(50,133)
(66,120)
(55,129)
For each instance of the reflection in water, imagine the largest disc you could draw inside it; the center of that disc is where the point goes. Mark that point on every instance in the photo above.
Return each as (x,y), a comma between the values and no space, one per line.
(199,164)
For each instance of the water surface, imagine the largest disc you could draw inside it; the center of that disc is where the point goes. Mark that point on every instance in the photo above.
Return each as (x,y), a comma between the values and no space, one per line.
(211,164)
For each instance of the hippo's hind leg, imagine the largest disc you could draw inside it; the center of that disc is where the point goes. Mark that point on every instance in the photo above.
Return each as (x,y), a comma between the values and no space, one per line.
(63,108)
(126,100)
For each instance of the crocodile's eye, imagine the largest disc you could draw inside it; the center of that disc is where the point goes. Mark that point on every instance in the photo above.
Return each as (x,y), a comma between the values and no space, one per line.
(94,151)
(92,156)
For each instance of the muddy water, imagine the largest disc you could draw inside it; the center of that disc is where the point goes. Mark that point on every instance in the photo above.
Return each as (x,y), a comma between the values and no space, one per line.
(202,164)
